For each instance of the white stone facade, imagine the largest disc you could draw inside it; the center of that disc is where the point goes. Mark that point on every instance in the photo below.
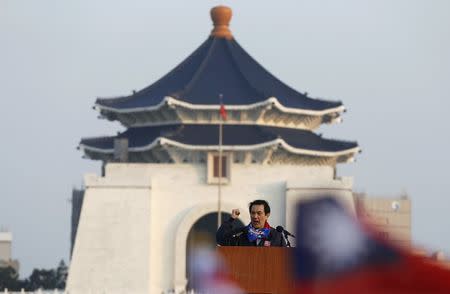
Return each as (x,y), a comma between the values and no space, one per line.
(135,220)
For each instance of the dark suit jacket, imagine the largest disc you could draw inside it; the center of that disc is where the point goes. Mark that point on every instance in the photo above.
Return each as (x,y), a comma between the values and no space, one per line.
(230,235)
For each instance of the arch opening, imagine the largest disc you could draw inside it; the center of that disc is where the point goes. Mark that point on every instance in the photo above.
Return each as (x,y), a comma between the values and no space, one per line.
(202,234)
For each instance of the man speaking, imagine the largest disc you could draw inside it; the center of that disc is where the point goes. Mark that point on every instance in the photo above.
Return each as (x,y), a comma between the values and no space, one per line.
(257,233)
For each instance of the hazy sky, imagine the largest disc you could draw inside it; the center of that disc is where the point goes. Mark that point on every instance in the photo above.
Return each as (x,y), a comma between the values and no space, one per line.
(387,60)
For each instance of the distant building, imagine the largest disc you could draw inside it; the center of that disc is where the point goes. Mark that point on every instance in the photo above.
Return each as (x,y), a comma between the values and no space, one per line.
(391,217)
(5,251)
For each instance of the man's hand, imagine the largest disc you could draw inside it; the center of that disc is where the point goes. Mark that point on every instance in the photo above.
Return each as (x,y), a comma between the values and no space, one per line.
(235,213)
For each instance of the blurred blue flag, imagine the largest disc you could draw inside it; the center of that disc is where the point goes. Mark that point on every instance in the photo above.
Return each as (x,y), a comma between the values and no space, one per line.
(335,253)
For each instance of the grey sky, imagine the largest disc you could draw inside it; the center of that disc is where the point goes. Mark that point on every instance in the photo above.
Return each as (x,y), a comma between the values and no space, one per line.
(388,61)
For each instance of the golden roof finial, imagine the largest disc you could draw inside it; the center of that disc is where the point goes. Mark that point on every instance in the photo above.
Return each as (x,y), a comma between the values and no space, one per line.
(221,16)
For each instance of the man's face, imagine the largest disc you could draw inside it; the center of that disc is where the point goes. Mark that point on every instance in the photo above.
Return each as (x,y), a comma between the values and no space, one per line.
(258,216)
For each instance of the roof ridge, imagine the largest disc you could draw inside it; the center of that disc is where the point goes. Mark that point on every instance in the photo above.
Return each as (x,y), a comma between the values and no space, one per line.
(267,71)
(236,65)
(199,70)
(146,90)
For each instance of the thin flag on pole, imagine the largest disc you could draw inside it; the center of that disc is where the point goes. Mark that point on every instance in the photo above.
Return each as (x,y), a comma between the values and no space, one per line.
(222,111)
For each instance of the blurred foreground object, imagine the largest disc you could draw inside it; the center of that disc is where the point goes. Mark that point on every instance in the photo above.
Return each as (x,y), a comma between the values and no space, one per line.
(210,273)
(337,254)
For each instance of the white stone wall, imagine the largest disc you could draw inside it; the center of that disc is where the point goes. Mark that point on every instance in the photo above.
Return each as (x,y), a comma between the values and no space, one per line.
(299,191)
(135,221)
(111,252)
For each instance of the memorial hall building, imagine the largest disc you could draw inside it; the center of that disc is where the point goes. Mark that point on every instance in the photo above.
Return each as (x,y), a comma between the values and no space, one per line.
(182,159)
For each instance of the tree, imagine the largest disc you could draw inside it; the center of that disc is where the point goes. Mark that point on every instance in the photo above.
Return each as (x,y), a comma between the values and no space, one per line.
(9,279)
(41,279)
(61,275)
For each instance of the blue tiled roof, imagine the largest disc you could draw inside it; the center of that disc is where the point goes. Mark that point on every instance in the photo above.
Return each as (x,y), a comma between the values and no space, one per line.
(219,66)
(207,135)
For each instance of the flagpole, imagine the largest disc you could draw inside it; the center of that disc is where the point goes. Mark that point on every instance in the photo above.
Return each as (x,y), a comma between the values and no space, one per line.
(219,200)
(219,186)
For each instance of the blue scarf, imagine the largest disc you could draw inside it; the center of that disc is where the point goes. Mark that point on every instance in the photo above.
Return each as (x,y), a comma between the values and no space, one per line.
(257,234)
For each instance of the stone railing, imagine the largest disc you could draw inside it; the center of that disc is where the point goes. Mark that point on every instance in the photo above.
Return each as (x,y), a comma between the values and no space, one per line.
(56,291)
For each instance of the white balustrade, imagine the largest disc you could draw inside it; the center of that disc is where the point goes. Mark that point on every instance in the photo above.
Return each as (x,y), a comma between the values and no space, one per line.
(40,291)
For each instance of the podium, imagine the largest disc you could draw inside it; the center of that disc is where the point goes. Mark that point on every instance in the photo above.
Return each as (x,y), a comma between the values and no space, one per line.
(260,270)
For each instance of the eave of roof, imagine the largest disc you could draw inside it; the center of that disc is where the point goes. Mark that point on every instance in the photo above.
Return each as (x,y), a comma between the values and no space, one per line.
(236,137)
(272,101)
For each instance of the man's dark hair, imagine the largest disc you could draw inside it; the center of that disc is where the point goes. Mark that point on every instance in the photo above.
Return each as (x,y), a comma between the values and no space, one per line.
(259,202)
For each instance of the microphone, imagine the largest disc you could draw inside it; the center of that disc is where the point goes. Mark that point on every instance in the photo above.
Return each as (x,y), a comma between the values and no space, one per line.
(239,231)
(229,238)
(235,232)
(280,229)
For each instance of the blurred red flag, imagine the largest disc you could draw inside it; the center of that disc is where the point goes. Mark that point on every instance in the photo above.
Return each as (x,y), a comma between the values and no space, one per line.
(411,275)
(223,111)
(336,254)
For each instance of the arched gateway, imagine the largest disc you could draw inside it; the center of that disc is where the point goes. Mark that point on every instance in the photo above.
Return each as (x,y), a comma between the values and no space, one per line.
(162,174)
(186,226)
